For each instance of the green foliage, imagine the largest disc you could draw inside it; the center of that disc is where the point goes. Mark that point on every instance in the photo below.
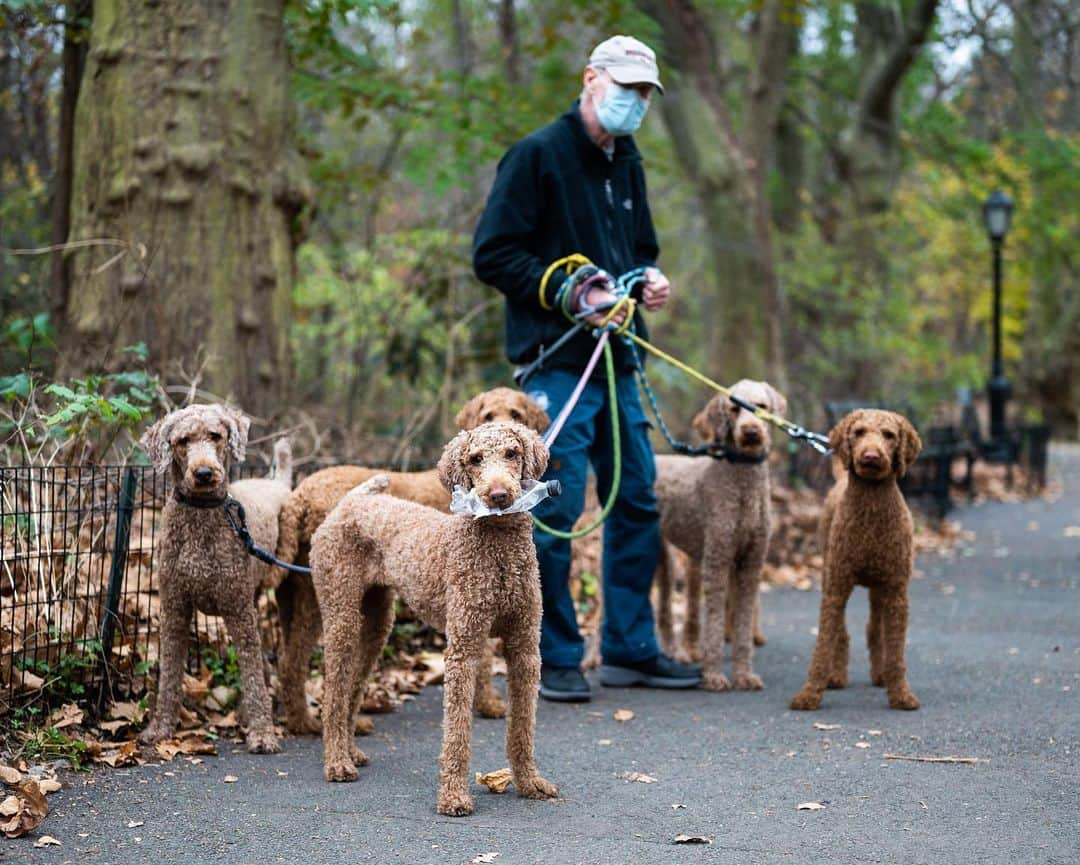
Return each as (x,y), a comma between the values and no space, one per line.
(65,679)
(224,667)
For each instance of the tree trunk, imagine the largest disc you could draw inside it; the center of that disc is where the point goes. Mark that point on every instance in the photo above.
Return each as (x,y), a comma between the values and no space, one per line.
(183,152)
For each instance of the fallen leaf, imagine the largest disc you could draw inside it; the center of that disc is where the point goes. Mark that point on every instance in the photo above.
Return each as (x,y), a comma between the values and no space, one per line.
(636,776)
(692,839)
(810,806)
(819,726)
(603,741)
(623,714)
(132,824)
(677,805)
(67,715)
(113,726)
(26,812)
(129,711)
(496,781)
(434,664)
(9,775)
(46,841)
(49,785)
(10,805)
(230,779)
(127,754)
(484,857)
(862,744)
(169,748)
(873,732)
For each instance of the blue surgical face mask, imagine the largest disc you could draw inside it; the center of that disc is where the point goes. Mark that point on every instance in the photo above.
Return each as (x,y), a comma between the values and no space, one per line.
(621,111)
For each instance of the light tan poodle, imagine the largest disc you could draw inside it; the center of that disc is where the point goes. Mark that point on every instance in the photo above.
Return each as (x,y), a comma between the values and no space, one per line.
(471,578)
(307,507)
(717,512)
(204,565)
(867,538)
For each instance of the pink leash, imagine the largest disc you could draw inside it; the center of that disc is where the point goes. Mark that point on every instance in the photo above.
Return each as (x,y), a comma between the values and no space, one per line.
(556,427)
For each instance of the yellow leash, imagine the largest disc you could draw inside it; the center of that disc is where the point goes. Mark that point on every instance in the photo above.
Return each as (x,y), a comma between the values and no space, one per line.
(571,262)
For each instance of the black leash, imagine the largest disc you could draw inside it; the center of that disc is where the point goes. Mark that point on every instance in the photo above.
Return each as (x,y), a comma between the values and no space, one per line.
(234,513)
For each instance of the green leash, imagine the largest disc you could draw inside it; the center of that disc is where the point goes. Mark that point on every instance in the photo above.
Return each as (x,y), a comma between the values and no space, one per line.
(609,368)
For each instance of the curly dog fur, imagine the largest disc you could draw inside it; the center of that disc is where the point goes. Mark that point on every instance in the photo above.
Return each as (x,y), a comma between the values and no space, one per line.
(717,512)
(306,508)
(471,578)
(866,534)
(204,566)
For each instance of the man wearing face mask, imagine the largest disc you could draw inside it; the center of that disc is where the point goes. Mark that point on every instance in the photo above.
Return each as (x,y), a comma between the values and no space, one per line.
(577,186)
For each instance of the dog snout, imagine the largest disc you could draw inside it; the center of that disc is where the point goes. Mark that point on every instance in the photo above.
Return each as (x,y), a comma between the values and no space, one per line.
(752,436)
(871,457)
(500,496)
(203,475)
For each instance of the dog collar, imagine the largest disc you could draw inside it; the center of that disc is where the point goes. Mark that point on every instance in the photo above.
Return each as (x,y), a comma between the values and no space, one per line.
(198,501)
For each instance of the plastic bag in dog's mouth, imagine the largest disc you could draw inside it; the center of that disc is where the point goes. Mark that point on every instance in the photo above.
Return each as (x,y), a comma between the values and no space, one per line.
(468,503)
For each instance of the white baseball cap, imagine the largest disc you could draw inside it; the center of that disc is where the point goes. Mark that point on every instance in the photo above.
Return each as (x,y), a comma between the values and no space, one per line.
(628,61)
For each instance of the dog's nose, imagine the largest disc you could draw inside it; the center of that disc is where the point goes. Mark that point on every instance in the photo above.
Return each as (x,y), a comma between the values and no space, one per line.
(752,436)
(871,457)
(204,475)
(499,497)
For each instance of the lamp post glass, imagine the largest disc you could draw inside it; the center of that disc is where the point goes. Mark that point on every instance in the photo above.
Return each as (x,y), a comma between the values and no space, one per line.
(997,211)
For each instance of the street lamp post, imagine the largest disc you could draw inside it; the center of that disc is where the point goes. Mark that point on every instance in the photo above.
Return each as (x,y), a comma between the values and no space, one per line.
(997,211)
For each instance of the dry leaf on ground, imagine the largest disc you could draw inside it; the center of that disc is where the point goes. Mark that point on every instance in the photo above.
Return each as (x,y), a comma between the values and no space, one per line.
(862,744)
(692,839)
(49,785)
(496,781)
(188,746)
(810,806)
(819,726)
(67,715)
(434,668)
(26,812)
(127,754)
(484,857)
(919,759)
(677,805)
(636,776)
(9,775)
(134,824)
(128,711)
(623,714)
(46,841)
(230,779)
(873,732)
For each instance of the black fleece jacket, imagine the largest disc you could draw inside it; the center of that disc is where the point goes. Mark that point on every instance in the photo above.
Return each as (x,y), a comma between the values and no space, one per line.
(556,192)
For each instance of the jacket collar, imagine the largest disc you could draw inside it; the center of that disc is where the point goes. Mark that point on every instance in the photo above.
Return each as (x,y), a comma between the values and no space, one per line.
(625,148)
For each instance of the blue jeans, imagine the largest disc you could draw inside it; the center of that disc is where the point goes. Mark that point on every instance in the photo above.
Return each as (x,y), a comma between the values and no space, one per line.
(631,532)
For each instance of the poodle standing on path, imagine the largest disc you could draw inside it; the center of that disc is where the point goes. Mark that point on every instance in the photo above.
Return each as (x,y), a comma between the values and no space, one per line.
(306,508)
(717,512)
(866,534)
(204,565)
(471,578)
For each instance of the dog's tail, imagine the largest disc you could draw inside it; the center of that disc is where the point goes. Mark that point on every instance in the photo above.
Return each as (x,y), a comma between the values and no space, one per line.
(373,485)
(281,469)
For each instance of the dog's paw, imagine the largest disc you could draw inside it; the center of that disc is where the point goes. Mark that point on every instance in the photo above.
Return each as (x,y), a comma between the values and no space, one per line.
(358,757)
(689,655)
(806,700)
(155,733)
(340,771)
(262,742)
(746,682)
(455,804)
(537,788)
(303,725)
(363,725)
(877,680)
(837,681)
(759,638)
(903,699)
(491,706)
(714,681)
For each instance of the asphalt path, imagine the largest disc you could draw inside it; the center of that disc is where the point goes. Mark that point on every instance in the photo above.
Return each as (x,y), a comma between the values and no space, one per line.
(993,654)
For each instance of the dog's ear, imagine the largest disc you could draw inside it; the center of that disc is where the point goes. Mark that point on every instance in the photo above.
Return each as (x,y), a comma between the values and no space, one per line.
(238,425)
(713,423)
(776,400)
(535,452)
(468,415)
(838,439)
(907,449)
(452,471)
(535,417)
(155,441)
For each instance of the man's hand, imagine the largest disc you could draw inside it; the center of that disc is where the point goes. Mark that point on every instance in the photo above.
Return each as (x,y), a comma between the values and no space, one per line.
(598,296)
(657,289)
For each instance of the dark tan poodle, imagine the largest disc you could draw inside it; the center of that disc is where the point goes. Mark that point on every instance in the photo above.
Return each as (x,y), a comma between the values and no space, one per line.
(204,566)
(866,535)
(306,508)
(471,578)
(717,512)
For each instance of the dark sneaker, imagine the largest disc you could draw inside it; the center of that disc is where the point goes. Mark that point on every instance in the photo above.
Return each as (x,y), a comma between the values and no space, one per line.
(658,672)
(564,685)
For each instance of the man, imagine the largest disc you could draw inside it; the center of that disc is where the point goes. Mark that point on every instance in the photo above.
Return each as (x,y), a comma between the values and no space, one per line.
(577,186)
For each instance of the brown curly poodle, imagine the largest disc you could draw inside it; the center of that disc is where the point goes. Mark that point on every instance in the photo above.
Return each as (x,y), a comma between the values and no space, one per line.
(471,578)
(866,534)
(717,512)
(204,566)
(306,508)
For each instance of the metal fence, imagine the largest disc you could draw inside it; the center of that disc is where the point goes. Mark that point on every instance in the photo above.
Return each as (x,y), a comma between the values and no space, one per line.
(78,586)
